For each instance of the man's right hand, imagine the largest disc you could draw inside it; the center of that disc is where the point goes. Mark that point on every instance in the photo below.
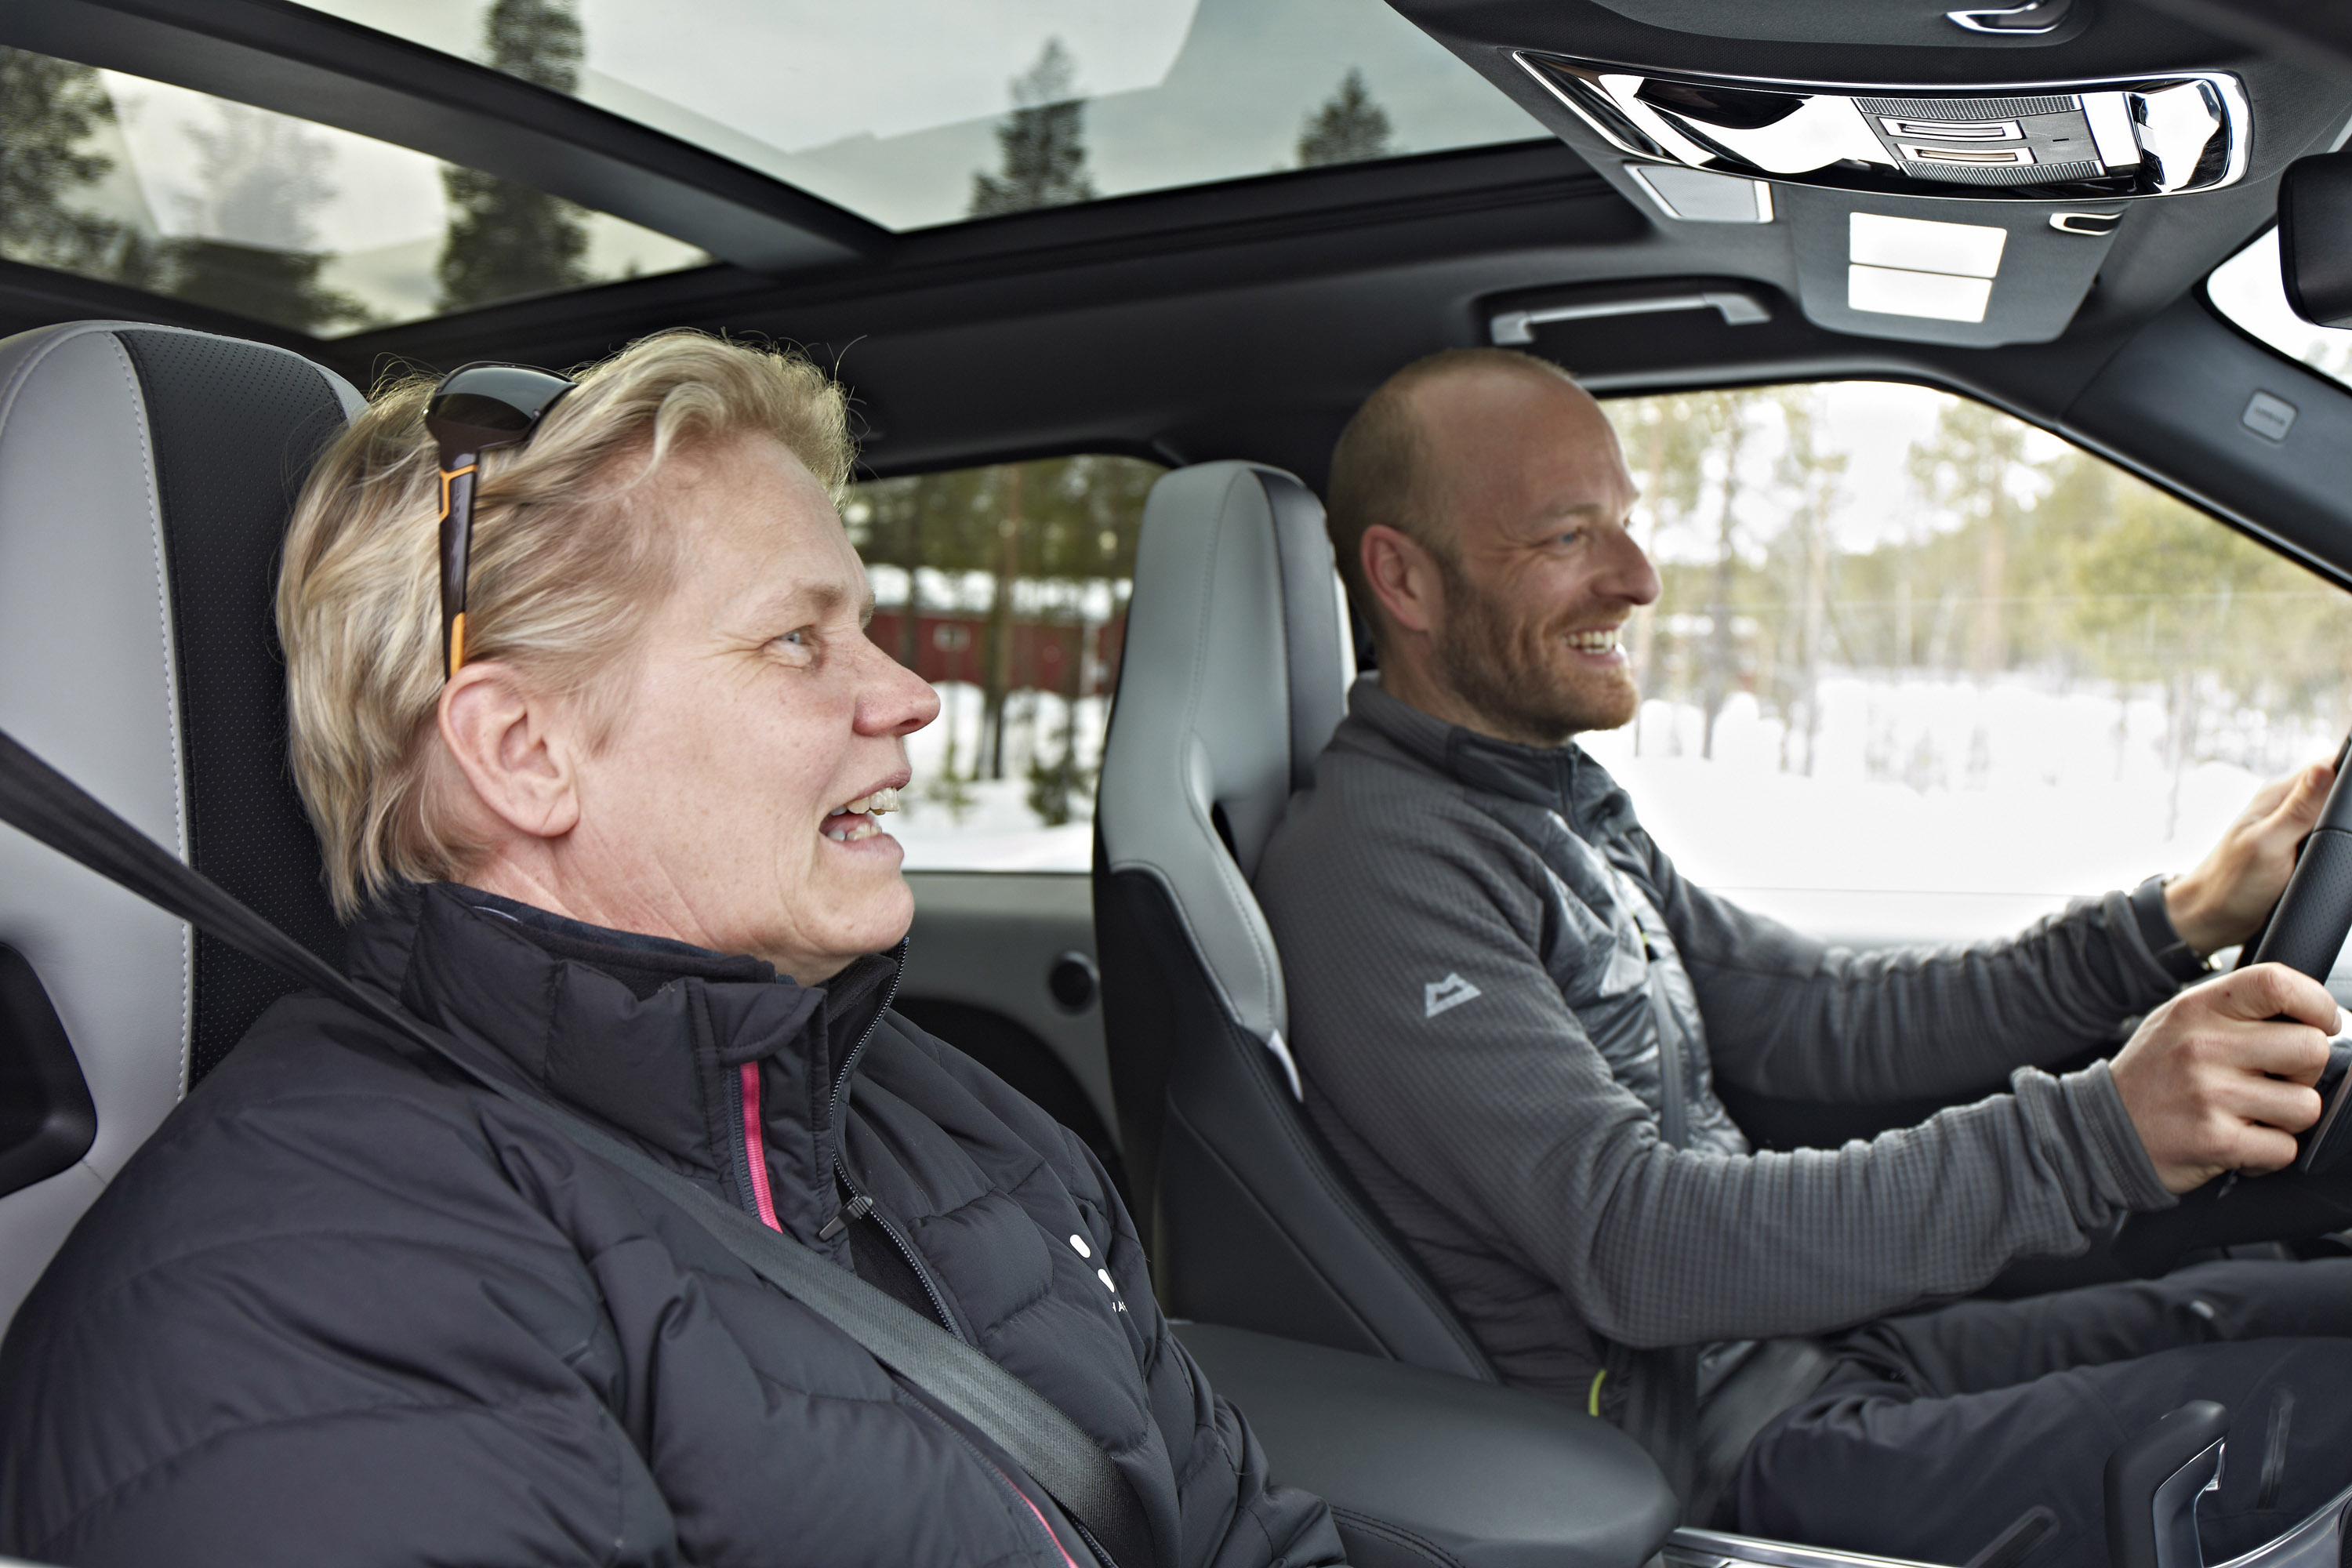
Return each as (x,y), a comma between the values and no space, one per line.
(2220,1078)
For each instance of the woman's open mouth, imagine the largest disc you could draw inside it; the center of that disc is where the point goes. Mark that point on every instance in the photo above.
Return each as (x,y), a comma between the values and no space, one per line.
(848,824)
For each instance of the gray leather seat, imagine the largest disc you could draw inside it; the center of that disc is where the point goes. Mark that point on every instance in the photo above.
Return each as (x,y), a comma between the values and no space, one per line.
(145,477)
(1235,671)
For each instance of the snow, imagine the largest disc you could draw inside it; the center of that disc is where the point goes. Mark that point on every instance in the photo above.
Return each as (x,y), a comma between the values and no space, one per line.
(1936,809)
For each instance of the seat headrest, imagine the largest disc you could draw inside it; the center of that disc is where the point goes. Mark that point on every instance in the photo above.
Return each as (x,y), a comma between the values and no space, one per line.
(146,474)
(1235,671)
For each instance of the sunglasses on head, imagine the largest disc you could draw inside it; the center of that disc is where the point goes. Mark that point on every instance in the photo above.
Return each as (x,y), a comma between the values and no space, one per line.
(477,407)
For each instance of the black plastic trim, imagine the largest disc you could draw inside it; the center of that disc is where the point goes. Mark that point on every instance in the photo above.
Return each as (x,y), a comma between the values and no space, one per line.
(47,1119)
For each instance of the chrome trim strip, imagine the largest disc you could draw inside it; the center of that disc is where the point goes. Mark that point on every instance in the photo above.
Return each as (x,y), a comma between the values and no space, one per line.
(1713,1549)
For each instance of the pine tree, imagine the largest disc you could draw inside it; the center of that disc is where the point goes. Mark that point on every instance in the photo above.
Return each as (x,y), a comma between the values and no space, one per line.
(48,109)
(1348,129)
(507,240)
(263,175)
(1041,145)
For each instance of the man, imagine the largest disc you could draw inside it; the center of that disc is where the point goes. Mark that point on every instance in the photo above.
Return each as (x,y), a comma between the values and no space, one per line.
(346,1308)
(1509,1012)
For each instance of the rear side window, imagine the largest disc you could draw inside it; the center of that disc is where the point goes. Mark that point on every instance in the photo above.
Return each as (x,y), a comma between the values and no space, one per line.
(1005,587)
(2247,289)
(1921,670)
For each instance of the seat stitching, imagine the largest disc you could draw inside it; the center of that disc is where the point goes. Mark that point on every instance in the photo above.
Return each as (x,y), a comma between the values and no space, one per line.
(171,696)
(1222,865)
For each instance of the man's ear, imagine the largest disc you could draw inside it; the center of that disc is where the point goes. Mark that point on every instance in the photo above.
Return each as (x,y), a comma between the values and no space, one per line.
(1403,577)
(515,748)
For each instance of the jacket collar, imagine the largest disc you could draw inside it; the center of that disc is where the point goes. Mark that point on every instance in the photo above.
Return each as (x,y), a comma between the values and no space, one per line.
(1564,779)
(645,1035)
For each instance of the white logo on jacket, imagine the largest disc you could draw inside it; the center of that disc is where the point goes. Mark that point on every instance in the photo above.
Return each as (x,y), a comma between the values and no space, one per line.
(1450,991)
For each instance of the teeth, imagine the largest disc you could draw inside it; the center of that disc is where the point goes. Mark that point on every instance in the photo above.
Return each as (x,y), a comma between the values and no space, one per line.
(864,809)
(1594,642)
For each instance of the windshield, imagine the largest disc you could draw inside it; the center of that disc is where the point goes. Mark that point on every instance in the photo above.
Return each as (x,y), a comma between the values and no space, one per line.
(2247,289)
(916,113)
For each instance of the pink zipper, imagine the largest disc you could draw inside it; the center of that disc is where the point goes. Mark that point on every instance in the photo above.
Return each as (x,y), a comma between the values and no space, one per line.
(1038,1516)
(755,1150)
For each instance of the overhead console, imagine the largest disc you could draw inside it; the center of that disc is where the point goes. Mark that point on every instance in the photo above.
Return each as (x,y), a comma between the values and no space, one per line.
(1926,169)
(2164,135)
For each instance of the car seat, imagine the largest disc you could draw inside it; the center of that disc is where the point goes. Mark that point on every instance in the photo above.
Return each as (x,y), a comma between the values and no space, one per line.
(146,474)
(1234,673)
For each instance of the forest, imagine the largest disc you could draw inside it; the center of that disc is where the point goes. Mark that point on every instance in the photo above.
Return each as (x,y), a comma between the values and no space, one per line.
(2014,558)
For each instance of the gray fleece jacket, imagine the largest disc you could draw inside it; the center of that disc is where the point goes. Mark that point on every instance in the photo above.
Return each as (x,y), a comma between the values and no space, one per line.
(1485,953)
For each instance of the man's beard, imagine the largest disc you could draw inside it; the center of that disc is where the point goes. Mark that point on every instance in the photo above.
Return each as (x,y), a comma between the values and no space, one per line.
(1520,674)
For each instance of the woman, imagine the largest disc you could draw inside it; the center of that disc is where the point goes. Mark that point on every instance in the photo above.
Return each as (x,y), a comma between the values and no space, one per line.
(607,814)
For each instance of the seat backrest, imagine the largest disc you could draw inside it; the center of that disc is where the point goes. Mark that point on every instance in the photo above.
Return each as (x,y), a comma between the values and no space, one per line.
(146,474)
(1234,673)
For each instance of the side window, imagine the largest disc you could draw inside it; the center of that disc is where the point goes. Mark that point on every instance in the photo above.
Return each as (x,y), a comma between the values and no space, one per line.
(1920,670)
(1006,587)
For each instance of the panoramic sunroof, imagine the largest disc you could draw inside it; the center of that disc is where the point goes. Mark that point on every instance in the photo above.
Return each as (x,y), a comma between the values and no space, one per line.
(917,112)
(114,177)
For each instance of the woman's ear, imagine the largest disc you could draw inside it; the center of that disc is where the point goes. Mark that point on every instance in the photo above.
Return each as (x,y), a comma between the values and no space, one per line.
(516,747)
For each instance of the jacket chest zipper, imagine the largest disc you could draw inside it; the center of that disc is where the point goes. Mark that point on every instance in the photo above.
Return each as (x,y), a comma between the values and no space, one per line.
(1673,1110)
(861,1207)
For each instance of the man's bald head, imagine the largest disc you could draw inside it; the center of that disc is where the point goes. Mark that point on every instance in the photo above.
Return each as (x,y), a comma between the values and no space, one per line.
(1395,465)
(1479,505)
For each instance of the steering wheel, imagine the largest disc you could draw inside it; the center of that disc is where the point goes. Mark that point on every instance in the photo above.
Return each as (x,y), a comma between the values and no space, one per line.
(2306,932)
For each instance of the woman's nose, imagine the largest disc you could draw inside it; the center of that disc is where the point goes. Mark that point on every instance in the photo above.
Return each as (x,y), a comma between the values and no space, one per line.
(899,702)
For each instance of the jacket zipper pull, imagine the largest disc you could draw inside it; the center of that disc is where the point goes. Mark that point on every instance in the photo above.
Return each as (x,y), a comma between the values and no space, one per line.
(853,1209)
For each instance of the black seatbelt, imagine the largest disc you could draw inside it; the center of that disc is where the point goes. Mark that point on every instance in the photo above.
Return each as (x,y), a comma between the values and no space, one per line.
(47,806)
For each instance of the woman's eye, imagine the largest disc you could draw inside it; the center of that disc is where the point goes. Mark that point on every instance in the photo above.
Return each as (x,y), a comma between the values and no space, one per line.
(797,646)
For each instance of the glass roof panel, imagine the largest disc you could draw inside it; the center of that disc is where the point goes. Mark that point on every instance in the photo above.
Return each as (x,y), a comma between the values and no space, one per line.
(916,113)
(115,177)
(2249,291)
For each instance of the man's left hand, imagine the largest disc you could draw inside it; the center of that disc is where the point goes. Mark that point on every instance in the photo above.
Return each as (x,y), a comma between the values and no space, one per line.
(2225,898)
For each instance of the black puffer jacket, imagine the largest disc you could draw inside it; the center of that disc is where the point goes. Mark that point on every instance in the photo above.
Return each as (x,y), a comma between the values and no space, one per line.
(343,1309)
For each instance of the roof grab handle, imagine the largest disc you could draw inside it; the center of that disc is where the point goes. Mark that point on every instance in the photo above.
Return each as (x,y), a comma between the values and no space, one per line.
(2036,17)
(1739,309)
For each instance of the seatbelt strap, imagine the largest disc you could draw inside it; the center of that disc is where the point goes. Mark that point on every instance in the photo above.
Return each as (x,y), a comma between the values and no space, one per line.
(42,803)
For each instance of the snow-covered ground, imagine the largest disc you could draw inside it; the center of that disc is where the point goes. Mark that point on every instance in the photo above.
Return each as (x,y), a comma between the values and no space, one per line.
(1936,809)
(986,825)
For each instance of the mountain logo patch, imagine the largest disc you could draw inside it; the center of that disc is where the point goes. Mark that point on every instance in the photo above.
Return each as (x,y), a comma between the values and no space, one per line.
(1450,991)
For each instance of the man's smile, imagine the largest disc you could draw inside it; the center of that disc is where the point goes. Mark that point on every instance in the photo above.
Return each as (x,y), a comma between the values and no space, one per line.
(1599,643)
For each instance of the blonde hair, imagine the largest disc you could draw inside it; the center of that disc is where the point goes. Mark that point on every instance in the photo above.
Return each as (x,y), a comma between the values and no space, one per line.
(568,557)
(1380,469)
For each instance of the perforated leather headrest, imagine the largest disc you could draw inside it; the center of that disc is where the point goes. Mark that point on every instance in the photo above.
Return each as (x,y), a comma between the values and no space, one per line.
(145,477)
(1235,672)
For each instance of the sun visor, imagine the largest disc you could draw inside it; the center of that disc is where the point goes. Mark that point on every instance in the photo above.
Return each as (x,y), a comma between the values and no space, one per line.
(1971,273)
